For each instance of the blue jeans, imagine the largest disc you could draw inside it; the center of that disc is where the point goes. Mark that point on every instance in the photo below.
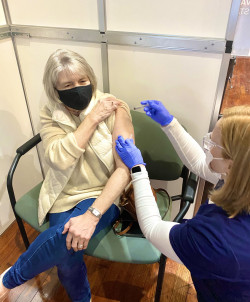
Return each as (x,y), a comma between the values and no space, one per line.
(49,249)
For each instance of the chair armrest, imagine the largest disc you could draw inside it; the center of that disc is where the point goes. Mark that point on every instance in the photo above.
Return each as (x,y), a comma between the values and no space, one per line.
(20,151)
(191,187)
(29,144)
(188,196)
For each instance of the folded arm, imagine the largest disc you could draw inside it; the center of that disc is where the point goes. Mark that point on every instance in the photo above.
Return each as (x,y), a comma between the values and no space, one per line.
(63,149)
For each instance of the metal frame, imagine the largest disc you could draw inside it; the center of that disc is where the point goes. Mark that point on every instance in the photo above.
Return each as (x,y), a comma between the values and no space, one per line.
(4,32)
(6,11)
(9,22)
(167,42)
(73,34)
(102,18)
(231,26)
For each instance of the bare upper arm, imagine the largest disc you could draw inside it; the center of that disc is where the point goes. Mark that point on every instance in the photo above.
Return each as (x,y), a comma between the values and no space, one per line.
(123,126)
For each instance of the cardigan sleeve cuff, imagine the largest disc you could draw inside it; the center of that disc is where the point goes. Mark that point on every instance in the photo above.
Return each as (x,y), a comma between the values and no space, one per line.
(70,145)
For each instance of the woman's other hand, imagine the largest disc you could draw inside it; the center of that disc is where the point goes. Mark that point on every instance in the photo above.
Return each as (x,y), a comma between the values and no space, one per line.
(80,230)
(128,152)
(104,108)
(157,111)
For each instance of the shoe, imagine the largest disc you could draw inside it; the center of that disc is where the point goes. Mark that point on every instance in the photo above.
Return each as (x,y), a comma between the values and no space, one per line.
(3,290)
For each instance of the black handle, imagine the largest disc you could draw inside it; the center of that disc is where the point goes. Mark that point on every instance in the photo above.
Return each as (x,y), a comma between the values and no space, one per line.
(29,144)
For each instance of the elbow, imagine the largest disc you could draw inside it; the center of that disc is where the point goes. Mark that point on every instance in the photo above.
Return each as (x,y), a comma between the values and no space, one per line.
(147,230)
(59,162)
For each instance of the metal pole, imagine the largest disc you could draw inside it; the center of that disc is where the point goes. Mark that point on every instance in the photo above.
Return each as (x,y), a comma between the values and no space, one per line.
(9,22)
(104,44)
(230,31)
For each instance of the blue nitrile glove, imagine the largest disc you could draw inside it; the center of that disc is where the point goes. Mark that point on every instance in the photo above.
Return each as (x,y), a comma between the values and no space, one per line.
(157,112)
(128,152)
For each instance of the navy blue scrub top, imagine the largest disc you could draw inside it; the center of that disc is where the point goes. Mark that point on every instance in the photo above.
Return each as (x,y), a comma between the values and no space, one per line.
(216,250)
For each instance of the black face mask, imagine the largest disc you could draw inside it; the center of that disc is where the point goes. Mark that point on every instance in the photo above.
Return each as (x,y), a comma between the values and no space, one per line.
(77,98)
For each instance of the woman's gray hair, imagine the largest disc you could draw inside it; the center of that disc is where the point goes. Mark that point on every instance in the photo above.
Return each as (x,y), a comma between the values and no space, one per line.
(63,59)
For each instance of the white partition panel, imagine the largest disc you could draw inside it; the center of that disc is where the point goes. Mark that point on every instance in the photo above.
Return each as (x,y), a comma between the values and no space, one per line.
(15,129)
(184,82)
(2,17)
(33,55)
(56,13)
(197,18)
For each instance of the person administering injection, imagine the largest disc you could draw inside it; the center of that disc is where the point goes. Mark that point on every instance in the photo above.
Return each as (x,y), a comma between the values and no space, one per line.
(213,245)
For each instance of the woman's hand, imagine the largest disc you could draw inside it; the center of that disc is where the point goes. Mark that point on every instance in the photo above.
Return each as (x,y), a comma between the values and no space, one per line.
(128,152)
(80,229)
(103,109)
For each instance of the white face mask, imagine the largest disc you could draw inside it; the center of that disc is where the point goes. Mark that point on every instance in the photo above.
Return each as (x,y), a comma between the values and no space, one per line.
(209,158)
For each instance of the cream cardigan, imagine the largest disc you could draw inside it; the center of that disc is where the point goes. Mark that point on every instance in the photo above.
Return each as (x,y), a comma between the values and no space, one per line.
(66,159)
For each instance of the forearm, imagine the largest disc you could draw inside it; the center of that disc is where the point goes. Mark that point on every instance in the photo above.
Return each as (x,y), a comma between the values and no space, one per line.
(151,224)
(113,189)
(189,151)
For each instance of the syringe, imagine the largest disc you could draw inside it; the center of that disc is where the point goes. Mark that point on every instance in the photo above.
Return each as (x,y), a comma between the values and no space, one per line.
(140,107)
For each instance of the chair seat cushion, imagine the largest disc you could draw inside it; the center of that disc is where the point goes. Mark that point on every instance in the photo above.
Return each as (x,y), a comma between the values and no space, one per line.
(27,208)
(107,245)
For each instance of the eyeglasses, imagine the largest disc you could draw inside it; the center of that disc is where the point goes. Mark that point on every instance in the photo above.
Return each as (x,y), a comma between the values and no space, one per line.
(208,144)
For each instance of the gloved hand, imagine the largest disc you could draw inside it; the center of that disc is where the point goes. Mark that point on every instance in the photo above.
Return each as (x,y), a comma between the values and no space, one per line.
(128,152)
(157,112)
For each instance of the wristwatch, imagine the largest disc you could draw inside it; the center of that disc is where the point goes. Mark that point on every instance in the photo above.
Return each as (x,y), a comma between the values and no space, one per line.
(136,169)
(95,212)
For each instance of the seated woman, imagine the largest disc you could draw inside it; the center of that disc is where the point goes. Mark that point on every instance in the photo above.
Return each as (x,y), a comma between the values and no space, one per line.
(85,177)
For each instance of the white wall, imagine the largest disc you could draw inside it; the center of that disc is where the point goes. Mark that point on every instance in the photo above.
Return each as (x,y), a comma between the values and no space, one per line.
(198,18)
(184,82)
(15,129)
(57,13)
(2,17)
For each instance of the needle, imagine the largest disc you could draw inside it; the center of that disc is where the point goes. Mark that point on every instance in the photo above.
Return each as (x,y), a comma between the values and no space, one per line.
(136,108)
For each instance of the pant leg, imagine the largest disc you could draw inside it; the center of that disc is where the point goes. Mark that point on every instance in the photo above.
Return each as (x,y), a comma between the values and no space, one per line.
(49,249)
(73,272)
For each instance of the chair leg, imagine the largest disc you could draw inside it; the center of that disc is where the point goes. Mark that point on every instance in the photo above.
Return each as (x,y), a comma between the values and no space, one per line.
(162,265)
(23,232)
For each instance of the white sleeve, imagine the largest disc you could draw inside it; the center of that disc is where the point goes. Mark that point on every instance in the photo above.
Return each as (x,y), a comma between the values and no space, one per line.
(189,151)
(153,228)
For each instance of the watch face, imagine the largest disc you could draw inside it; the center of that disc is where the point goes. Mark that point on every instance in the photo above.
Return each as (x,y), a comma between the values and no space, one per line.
(136,169)
(95,212)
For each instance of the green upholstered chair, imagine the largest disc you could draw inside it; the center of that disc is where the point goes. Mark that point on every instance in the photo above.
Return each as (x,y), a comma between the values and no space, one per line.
(162,164)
